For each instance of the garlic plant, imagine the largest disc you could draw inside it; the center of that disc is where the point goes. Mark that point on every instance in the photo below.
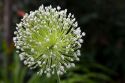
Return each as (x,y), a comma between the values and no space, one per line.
(48,39)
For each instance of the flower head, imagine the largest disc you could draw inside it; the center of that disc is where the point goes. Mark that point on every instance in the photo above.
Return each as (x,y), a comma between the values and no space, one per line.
(48,39)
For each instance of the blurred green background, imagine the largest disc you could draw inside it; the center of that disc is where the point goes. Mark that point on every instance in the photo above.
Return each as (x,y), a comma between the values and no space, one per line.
(103,51)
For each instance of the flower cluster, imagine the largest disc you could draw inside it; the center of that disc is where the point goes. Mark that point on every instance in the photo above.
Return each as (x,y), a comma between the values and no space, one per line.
(48,39)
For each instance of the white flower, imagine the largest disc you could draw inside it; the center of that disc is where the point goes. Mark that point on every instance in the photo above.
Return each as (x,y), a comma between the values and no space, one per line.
(48,39)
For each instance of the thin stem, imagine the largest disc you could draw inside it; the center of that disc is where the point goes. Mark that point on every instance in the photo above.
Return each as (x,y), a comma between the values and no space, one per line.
(58,79)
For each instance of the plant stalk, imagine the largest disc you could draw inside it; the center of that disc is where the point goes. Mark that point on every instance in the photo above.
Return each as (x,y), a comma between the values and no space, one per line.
(58,79)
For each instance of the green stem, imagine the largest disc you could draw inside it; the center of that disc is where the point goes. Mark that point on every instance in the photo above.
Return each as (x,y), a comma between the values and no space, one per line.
(58,79)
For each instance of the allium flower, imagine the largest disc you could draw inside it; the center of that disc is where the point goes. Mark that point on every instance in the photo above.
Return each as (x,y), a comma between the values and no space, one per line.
(48,39)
